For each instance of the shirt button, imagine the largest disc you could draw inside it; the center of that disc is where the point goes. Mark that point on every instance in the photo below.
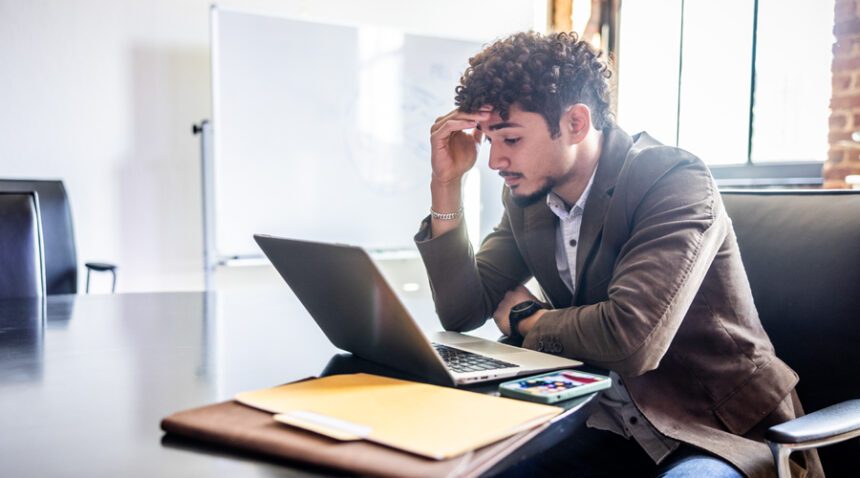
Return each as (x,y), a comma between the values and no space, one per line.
(633,420)
(573,243)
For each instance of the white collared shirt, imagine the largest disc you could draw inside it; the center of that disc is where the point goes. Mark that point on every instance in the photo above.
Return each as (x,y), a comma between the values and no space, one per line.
(567,233)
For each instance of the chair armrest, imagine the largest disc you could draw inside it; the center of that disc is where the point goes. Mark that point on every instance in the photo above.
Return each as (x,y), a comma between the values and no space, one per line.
(840,419)
(101,266)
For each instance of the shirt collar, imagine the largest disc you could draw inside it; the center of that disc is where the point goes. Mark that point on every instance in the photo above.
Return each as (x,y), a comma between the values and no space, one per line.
(556,203)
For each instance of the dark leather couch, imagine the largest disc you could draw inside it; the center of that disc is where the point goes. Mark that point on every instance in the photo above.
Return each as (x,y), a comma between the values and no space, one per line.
(801,250)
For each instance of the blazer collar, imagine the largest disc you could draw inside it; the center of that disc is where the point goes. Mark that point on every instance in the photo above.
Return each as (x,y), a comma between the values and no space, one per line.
(616,145)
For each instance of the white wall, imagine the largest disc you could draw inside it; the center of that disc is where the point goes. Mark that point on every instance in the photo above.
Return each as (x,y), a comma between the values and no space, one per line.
(102,94)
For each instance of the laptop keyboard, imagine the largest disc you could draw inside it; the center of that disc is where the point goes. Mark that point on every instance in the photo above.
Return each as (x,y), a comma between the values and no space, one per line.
(462,361)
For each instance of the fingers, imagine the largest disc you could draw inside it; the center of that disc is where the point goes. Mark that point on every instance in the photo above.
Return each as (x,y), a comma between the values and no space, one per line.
(456,115)
(453,142)
(452,125)
(478,135)
(480,114)
(444,117)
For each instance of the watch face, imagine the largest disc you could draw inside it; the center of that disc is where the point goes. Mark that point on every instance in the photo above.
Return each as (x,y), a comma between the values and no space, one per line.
(522,306)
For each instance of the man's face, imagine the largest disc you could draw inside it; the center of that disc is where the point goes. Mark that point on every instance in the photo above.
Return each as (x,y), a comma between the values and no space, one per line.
(526,156)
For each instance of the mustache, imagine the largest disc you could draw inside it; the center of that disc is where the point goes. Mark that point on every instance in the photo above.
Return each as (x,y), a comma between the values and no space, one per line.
(506,174)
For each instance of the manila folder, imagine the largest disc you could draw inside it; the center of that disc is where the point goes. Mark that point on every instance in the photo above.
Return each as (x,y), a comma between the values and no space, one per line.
(428,420)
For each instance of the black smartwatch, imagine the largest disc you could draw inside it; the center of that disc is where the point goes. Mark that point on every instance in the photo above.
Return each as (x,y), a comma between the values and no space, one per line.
(520,312)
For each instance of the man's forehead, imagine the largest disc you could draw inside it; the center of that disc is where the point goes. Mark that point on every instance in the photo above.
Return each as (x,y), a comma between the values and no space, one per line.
(516,119)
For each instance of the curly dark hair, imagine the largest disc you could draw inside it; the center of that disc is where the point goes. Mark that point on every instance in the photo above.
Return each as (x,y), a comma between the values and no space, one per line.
(543,74)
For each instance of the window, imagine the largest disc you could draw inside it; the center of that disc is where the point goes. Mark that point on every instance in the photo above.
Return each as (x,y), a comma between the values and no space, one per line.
(794,51)
(739,83)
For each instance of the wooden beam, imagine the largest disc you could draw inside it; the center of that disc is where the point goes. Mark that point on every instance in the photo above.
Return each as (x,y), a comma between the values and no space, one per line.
(562,16)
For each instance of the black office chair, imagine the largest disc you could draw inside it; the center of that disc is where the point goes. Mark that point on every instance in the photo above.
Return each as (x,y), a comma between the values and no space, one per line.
(61,262)
(801,250)
(22,270)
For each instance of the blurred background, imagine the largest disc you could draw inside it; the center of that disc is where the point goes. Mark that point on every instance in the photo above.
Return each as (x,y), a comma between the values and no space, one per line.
(103,95)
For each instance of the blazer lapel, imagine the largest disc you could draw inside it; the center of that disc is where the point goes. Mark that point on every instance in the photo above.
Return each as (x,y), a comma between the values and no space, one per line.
(616,144)
(540,223)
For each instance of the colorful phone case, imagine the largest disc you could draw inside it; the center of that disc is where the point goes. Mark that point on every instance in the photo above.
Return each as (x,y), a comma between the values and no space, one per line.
(554,386)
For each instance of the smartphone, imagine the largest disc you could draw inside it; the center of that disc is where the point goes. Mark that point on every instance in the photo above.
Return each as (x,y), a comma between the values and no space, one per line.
(554,386)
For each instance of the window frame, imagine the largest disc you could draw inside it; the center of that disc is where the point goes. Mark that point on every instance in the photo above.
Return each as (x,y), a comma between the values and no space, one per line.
(794,174)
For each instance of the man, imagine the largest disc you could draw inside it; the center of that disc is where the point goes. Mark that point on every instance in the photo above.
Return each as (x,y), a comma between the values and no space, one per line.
(635,257)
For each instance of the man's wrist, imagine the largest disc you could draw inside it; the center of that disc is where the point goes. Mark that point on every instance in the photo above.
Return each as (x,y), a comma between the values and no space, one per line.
(446,202)
(454,181)
(446,216)
(446,194)
(525,326)
(521,318)
(443,186)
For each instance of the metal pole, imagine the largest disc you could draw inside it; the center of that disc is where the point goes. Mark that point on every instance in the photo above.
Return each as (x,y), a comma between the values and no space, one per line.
(204,129)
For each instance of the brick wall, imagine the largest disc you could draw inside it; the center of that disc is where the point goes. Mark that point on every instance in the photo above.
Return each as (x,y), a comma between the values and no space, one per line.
(844,155)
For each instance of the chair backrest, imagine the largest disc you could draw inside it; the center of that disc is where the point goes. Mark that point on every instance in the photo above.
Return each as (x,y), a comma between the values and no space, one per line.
(22,270)
(61,262)
(801,251)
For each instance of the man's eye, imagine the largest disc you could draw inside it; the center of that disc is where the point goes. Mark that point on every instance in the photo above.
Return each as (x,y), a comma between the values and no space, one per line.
(512,141)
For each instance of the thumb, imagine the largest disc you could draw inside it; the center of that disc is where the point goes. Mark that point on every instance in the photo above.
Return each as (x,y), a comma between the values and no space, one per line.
(478,135)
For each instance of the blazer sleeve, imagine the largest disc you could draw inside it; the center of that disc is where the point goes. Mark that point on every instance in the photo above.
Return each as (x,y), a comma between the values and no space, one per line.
(466,287)
(676,225)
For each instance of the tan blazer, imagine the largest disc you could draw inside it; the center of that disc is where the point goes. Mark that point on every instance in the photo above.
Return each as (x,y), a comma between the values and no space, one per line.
(661,298)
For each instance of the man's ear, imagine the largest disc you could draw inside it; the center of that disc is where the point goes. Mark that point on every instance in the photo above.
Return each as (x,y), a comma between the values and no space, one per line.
(576,122)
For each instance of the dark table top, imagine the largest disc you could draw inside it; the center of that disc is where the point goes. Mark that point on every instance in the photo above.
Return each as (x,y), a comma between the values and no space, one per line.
(85,380)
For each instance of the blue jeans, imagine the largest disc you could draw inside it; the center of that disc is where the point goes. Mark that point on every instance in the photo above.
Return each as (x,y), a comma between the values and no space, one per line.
(597,453)
(689,462)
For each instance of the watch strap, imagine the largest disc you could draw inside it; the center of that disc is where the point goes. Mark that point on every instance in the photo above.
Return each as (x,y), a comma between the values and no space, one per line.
(518,313)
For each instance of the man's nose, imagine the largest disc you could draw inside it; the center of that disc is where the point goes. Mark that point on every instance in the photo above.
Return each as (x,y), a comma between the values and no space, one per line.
(498,160)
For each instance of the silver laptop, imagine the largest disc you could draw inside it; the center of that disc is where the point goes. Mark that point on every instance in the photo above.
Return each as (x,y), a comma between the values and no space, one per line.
(359,312)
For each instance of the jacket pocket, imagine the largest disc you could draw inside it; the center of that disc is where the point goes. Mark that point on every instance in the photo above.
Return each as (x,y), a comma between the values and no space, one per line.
(757,397)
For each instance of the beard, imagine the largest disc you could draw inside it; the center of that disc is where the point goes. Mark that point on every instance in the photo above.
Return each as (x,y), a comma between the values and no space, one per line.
(528,200)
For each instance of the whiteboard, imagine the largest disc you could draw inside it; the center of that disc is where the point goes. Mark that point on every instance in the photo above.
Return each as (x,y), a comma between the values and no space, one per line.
(321,131)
